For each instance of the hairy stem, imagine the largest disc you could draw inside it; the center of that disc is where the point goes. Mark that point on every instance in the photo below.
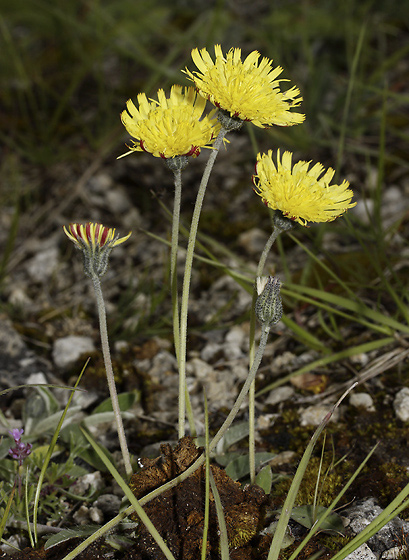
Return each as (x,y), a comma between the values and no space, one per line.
(187,277)
(110,374)
(252,391)
(173,258)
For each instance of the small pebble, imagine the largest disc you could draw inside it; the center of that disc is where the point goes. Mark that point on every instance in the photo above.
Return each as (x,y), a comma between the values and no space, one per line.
(394,553)
(362,400)
(253,241)
(108,504)
(43,264)
(68,350)
(280,394)
(363,552)
(82,517)
(401,404)
(87,481)
(313,415)
(96,515)
(266,421)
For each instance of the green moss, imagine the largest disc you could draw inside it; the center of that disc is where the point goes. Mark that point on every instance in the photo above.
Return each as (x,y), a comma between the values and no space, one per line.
(330,483)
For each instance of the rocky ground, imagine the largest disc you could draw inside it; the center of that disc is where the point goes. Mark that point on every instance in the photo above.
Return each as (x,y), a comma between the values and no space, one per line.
(49,327)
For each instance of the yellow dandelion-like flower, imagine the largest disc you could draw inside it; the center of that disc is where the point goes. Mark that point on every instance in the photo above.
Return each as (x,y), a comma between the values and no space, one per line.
(301,193)
(248,90)
(171,126)
(96,243)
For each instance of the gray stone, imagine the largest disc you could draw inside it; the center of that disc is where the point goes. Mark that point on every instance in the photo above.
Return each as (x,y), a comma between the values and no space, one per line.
(362,400)
(253,241)
(361,514)
(68,350)
(394,553)
(88,481)
(313,415)
(363,552)
(280,394)
(109,504)
(401,404)
(96,515)
(43,264)
(233,343)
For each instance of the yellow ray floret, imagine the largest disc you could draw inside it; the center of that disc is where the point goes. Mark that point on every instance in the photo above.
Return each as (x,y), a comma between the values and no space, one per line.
(172,126)
(248,90)
(301,193)
(93,236)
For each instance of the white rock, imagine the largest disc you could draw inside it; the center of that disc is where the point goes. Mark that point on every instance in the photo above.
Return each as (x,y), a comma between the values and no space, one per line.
(401,404)
(283,458)
(313,415)
(363,552)
(36,379)
(210,351)
(280,394)
(394,553)
(364,210)
(81,517)
(43,264)
(233,342)
(362,400)
(18,297)
(253,241)
(68,350)
(360,359)
(200,369)
(100,183)
(84,483)
(266,421)
(118,201)
(96,515)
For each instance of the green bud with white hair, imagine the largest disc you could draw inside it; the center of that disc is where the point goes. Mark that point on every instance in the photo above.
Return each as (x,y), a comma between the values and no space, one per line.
(269,306)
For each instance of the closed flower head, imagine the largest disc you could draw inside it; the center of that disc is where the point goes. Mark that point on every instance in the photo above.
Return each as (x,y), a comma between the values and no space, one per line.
(247,90)
(172,126)
(269,306)
(96,243)
(302,193)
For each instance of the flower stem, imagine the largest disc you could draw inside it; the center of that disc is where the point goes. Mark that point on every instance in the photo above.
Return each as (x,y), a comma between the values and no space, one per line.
(110,374)
(265,329)
(187,277)
(252,391)
(173,259)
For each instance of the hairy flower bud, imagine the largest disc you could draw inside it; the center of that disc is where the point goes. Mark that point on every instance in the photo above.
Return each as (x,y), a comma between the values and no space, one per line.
(269,307)
(96,243)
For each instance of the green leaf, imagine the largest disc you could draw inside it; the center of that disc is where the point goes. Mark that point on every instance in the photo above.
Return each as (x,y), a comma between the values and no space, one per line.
(7,470)
(48,424)
(287,539)
(308,515)
(126,401)
(235,433)
(240,467)
(226,458)
(264,479)
(103,417)
(67,534)
(83,449)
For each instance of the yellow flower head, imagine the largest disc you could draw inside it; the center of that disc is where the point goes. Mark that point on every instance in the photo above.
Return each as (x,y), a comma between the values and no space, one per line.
(301,194)
(248,90)
(96,243)
(171,126)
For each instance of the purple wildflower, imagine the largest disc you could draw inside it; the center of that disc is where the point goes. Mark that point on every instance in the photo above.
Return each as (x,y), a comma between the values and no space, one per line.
(21,450)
